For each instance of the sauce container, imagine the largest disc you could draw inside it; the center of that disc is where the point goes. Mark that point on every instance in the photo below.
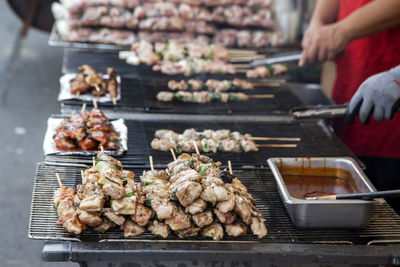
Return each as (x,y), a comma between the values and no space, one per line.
(328,214)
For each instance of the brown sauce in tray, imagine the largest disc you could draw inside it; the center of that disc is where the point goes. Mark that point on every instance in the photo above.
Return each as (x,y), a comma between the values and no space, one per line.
(303,182)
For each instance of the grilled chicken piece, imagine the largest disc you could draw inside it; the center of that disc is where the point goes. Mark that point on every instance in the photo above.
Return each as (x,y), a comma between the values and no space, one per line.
(63,141)
(174,85)
(159,228)
(93,201)
(203,219)
(162,144)
(242,209)
(78,84)
(165,96)
(162,207)
(92,220)
(187,192)
(125,205)
(243,84)
(227,205)
(165,134)
(142,215)
(258,72)
(258,228)
(196,206)
(220,192)
(190,232)
(179,220)
(62,193)
(228,218)
(237,229)
(74,225)
(112,84)
(208,195)
(114,217)
(132,229)
(195,84)
(105,226)
(113,190)
(215,231)
(88,143)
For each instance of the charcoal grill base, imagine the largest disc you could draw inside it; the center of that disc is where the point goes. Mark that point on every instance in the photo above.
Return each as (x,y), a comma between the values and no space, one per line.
(188,254)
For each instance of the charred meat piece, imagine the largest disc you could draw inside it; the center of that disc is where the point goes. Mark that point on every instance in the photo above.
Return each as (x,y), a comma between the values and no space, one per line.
(228,218)
(189,232)
(131,229)
(92,220)
(258,228)
(142,215)
(159,228)
(237,229)
(203,219)
(105,226)
(113,216)
(179,220)
(79,85)
(196,206)
(215,231)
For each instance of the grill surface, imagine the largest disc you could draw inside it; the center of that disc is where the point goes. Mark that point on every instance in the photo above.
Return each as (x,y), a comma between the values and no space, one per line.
(384,225)
(316,141)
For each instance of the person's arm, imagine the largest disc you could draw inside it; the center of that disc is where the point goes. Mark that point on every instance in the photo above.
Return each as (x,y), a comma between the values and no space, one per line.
(325,12)
(324,42)
(374,17)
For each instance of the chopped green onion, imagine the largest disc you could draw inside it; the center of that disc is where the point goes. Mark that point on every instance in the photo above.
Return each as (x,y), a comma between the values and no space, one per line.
(206,147)
(147,202)
(230,135)
(192,70)
(192,98)
(208,165)
(234,98)
(128,195)
(123,178)
(178,149)
(58,204)
(202,136)
(177,96)
(150,183)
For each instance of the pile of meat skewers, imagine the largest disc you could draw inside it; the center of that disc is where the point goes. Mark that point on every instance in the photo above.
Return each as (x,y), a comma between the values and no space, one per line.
(175,58)
(124,22)
(86,131)
(89,80)
(222,140)
(191,197)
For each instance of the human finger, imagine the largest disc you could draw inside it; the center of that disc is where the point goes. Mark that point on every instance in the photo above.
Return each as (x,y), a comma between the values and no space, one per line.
(379,113)
(365,111)
(353,109)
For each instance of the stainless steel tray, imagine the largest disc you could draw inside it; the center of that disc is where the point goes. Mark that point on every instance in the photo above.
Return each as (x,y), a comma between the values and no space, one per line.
(333,214)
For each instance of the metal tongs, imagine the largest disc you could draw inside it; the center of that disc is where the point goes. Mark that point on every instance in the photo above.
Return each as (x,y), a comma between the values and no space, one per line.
(277,58)
(320,112)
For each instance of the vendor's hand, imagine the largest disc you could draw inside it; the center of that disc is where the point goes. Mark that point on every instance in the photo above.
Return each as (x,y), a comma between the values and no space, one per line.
(378,95)
(323,42)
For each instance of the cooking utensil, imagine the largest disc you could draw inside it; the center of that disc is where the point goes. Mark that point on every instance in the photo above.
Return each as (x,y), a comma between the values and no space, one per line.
(323,111)
(364,196)
(277,58)
(331,214)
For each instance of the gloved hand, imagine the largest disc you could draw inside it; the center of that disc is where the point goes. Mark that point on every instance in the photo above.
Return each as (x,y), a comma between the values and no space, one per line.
(378,95)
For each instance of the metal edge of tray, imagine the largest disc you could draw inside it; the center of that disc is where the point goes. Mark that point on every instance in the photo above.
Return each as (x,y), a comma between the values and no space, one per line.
(291,200)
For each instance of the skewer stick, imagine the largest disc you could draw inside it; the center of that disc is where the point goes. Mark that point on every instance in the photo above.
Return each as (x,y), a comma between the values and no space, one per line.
(114,101)
(262,96)
(94,161)
(173,153)
(267,84)
(277,145)
(241,65)
(290,139)
(78,94)
(230,167)
(102,149)
(196,148)
(82,174)
(59,180)
(94,103)
(97,87)
(151,163)
(83,107)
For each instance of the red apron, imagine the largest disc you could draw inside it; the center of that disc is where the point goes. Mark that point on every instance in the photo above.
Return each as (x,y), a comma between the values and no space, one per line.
(362,59)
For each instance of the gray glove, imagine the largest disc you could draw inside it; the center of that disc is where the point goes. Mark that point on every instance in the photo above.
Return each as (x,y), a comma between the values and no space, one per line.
(378,95)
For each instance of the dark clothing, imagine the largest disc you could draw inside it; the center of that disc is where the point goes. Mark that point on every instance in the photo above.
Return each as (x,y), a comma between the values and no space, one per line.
(384,174)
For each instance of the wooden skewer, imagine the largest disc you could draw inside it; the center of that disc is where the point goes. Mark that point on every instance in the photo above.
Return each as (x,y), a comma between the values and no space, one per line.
(241,65)
(271,84)
(82,174)
(243,59)
(94,103)
(230,167)
(262,96)
(276,145)
(173,153)
(83,107)
(94,161)
(241,51)
(102,149)
(294,139)
(114,101)
(97,87)
(59,180)
(78,94)
(151,163)
(195,147)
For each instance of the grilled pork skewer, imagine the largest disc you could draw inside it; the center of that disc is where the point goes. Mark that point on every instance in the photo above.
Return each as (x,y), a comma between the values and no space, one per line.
(210,85)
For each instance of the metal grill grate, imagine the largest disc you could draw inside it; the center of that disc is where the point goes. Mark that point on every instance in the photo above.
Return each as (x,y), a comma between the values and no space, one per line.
(140,95)
(317,140)
(384,225)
